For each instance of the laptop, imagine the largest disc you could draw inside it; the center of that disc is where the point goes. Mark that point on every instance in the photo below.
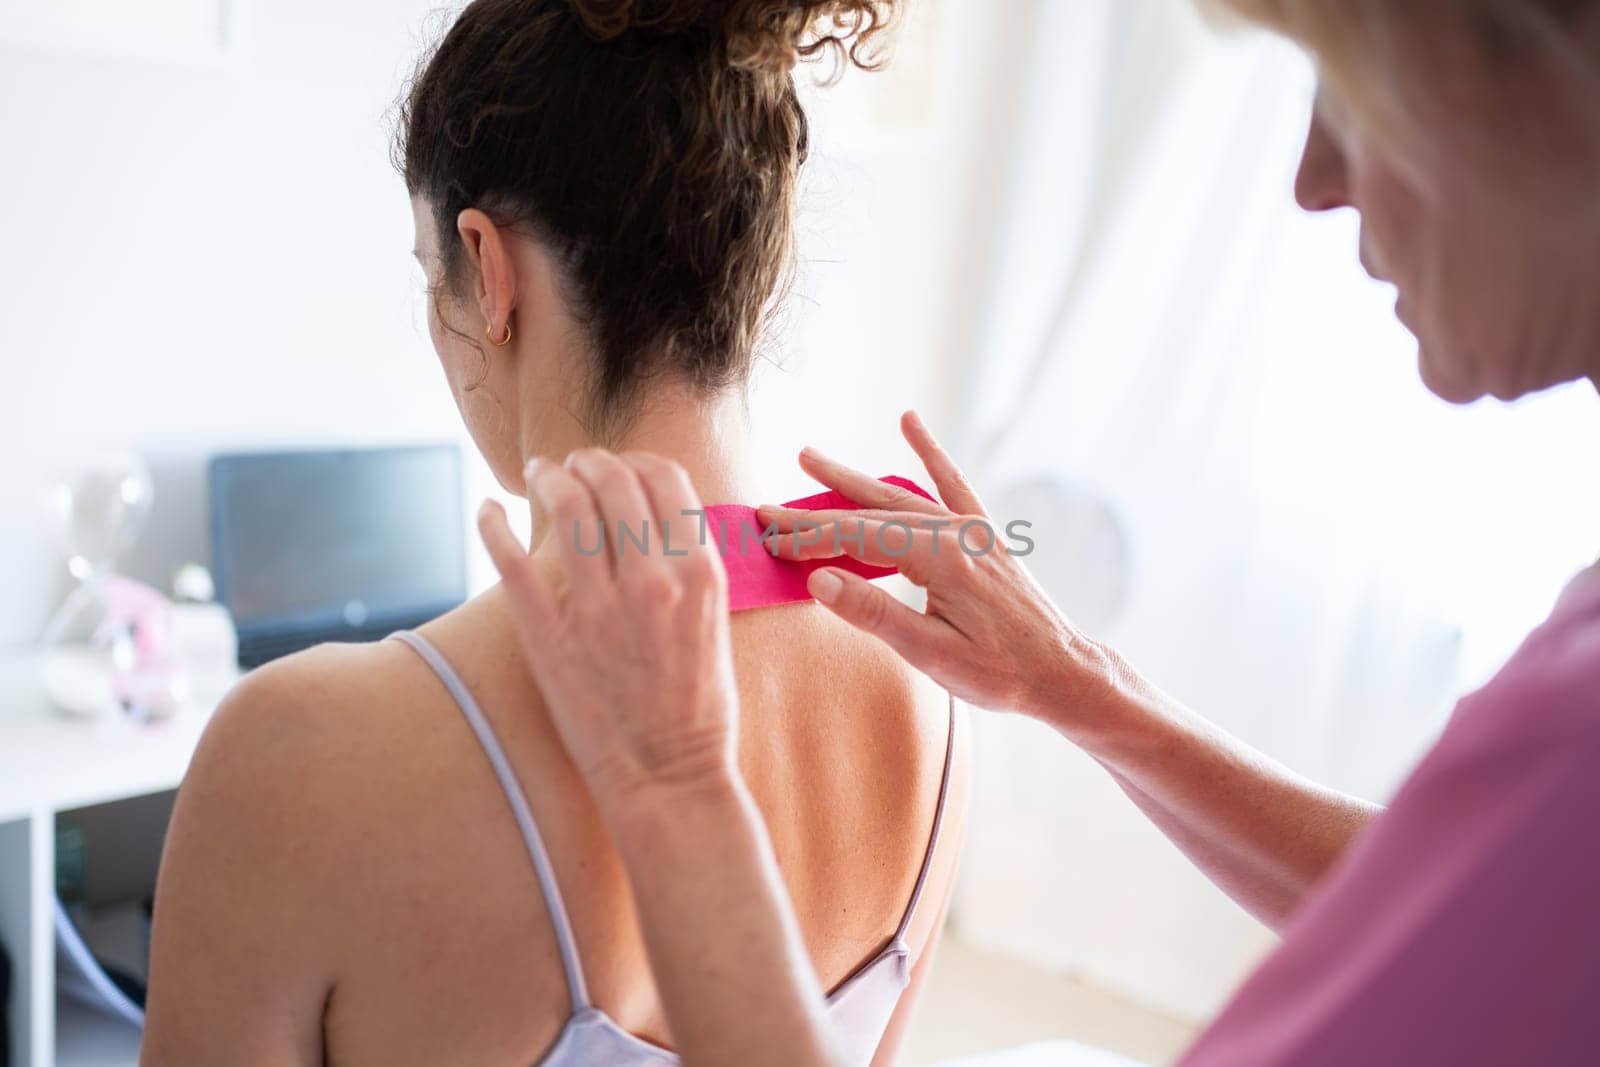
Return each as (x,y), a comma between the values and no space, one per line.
(346,545)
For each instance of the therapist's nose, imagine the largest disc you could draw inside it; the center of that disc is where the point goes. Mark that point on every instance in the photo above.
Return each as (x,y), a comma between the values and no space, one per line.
(1321,184)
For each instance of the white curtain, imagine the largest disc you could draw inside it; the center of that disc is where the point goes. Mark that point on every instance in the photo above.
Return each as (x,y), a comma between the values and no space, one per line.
(1192,389)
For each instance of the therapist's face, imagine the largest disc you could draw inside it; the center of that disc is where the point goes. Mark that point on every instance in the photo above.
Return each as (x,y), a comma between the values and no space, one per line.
(1487,223)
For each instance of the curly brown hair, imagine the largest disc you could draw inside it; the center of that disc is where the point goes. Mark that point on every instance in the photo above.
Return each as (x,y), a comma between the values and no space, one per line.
(652,146)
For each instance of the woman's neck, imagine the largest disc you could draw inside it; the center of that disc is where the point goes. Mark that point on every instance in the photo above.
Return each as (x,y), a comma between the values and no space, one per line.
(707,434)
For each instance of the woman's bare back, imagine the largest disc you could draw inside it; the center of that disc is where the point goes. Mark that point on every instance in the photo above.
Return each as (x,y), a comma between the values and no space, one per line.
(408,913)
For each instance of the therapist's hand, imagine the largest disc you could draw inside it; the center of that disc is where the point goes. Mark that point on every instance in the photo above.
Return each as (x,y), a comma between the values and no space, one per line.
(630,648)
(989,633)
(991,636)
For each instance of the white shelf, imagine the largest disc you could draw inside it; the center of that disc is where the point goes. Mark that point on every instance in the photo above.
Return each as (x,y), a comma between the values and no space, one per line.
(50,764)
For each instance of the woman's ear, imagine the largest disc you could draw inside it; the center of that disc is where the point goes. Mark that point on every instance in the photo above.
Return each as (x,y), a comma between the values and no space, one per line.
(496,269)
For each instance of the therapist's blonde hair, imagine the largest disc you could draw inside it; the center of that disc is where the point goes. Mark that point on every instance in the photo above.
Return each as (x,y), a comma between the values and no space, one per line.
(1413,66)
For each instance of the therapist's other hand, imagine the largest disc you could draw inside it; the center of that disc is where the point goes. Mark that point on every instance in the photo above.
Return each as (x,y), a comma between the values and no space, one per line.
(989,634)
(629,648)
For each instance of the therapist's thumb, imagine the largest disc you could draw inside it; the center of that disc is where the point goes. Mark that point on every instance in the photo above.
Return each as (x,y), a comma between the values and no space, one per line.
(867,607)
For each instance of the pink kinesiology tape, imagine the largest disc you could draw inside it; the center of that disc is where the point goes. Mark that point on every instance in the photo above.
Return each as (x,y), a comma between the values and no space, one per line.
(756,578)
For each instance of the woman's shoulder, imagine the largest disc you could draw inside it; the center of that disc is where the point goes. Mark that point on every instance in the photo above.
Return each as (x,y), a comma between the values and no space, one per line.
(260,822)
(323,705)
(301,710)
(298,753)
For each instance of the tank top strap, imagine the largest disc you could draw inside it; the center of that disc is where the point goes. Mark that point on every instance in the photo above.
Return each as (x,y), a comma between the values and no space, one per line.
(933,835)
(519,808)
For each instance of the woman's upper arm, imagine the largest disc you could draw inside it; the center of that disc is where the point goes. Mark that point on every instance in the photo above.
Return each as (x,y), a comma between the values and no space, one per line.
(239,969)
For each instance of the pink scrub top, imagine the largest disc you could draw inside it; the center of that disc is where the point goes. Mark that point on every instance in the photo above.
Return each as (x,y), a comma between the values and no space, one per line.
(1464,927)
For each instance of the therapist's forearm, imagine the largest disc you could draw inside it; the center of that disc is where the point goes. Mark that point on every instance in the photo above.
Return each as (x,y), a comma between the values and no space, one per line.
(724,945)
(1265,835)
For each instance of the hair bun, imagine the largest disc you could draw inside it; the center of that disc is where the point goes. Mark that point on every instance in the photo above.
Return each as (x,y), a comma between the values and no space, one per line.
(757,35)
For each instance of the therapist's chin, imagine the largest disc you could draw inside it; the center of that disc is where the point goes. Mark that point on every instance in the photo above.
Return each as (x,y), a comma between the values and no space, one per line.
(1446,376)
(1444,383)
(1459,377)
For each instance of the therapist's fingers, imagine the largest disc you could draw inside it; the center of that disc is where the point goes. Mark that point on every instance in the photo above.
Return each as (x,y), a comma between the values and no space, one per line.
(860,487)
(533,601)
(988,633)
(954,489)
(574,522)
(675,504)
(920,639)
(623,506)
(778,519)
(915,551)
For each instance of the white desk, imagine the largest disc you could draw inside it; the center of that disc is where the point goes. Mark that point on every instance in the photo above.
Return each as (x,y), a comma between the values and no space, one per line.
(48,764)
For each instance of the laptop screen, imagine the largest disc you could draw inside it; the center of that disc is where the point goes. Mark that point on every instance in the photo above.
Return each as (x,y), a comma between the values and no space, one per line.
(317,542)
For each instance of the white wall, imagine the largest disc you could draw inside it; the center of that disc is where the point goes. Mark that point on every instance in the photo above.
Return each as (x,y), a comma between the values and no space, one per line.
(208,256)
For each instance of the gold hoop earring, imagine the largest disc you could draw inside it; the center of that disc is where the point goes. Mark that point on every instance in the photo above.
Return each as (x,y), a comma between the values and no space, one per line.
(488,331)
